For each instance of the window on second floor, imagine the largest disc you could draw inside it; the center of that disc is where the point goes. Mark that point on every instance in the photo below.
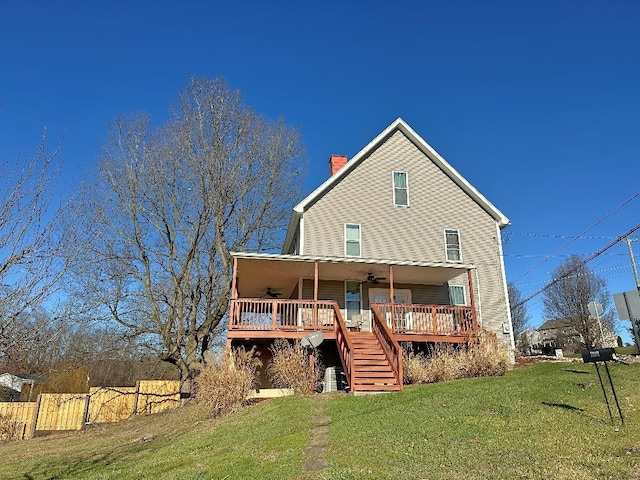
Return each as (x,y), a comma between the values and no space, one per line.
(352,240)
(457,295)
(400,189)
(452,245)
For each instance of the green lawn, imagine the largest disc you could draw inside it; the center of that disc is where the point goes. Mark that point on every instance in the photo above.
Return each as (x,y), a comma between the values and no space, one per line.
(534,423)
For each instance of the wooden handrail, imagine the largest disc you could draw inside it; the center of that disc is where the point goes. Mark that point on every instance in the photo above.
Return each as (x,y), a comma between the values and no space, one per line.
(429,319)
(344,344)
(281,314)
(389,344)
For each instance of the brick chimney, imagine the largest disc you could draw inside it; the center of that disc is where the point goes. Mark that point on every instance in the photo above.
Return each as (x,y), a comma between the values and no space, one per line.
(336,162)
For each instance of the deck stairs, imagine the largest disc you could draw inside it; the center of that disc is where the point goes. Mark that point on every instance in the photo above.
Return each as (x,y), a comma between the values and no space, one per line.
(371,369)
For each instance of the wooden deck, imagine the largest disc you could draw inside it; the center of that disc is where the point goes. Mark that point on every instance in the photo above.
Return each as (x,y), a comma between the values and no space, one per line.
(279,318)
(367,367)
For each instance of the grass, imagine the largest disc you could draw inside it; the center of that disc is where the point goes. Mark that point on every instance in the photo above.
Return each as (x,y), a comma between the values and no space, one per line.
(536,422)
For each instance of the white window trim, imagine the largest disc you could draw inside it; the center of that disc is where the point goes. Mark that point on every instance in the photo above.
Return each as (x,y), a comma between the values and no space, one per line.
(393,187)
(464,295)
(446,250)
(359,239)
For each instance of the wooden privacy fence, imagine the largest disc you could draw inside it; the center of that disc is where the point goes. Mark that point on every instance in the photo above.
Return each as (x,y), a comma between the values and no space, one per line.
(72,411)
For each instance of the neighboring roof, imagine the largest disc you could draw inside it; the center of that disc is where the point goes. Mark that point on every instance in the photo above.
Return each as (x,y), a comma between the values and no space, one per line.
(556,323)
(397,125)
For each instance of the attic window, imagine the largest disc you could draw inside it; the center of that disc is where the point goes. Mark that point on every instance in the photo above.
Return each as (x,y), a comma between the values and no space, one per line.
(452,245)
(400,189)
(352,240)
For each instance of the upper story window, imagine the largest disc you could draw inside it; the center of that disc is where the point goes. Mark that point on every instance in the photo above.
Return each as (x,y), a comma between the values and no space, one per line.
(452,245)
(400,189)
(352,240)
(457,295)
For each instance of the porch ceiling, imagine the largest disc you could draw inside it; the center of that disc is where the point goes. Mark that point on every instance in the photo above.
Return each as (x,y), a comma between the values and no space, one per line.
(256,272)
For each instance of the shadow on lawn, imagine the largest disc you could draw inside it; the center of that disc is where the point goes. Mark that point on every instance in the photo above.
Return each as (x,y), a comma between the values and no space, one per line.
(563,405)
(86,464)
(571,370)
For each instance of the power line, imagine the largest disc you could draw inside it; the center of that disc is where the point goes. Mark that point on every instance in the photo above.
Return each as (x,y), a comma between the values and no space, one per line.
(579,265)
(574,239)
(606,272)
(556,235)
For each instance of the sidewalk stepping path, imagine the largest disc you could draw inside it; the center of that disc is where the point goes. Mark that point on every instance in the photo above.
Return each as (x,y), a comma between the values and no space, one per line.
(314,454)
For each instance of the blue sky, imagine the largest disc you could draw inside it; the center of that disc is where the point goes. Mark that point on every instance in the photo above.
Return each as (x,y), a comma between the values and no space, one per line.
(537,104)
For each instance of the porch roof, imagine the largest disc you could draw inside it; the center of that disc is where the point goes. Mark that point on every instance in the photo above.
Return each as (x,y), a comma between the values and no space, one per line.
(257,271)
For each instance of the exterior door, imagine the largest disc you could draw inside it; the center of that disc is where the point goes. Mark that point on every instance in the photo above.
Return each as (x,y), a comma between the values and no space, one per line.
(383,295)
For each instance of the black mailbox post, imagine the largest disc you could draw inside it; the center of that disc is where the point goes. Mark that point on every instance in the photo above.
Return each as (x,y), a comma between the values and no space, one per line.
(603,355)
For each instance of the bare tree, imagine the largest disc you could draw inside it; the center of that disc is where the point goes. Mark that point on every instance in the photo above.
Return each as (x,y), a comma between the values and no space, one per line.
(30,264)
(519,314)
(170,204)
(574,286)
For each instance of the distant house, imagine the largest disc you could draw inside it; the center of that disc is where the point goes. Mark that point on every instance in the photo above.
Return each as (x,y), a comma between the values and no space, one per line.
(395,246)
(557,333)
(12,386)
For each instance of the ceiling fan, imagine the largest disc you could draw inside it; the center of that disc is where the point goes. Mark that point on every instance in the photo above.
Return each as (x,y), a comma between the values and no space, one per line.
(271,294)
(371,278)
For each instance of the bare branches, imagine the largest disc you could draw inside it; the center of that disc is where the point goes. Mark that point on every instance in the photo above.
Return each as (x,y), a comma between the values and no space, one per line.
(573,287)
(171,203)
(30,263)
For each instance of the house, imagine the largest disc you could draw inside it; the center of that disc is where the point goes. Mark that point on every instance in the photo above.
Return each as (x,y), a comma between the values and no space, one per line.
(12,386)
(395,246)
(561,333)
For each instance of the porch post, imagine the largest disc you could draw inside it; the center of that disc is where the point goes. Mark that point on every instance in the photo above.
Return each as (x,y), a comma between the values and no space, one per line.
(234,292)
(392,299)
(472,299)
(315,294)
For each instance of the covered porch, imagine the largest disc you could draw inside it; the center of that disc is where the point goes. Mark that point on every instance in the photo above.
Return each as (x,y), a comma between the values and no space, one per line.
(289,296)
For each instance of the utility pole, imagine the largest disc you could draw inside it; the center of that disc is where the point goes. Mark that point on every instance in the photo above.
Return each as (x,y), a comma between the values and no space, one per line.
(633,261)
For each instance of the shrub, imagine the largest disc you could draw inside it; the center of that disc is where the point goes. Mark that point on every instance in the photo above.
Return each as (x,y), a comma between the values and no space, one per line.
(290,367)
(414,367)
(226,387)
(447,363)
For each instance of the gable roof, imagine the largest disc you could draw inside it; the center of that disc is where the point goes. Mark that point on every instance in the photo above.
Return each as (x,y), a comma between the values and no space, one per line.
(418,141)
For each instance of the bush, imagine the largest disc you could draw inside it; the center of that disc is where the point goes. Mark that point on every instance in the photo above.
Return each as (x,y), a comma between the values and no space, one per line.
(226,387)
(290,367)
(446,363)
(414,367)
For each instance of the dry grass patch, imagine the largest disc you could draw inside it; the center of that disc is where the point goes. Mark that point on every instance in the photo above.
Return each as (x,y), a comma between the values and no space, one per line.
(292,367)
(225,387)
(447,363)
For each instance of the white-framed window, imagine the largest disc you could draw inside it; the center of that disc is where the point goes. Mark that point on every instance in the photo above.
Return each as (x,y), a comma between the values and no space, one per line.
(352,240)
(400,189)
(452,245)
(457,295)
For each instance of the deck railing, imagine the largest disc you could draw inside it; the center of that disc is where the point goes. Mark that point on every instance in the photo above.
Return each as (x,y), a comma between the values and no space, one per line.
(410,318)
(389,345)
(280,314)
(345,347)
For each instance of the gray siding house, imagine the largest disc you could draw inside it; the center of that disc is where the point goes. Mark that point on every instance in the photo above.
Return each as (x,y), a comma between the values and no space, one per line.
(394,246)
